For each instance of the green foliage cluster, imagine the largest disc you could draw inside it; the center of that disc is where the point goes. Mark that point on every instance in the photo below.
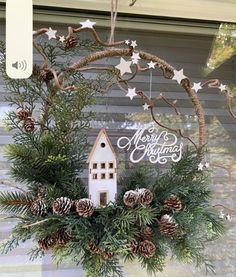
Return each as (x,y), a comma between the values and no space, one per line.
(50,159)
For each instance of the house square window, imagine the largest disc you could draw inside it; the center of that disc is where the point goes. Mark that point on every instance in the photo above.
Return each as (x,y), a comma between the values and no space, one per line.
(111,165)
(103,176)
(111,176)
(103,165)
(95,176)
(95,166)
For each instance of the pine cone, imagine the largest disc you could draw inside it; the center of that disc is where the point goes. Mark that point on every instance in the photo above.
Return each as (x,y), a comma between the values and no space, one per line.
(63,237)
(93,248)
(62,206)
(84,207)
(107,255)
(23,114)
(146,233)
(147,249)
(70,42)
(173,203)
(134,246)
(46,75)
(130,198)
(29,125)
(168,225)
(42,191)
(47,243)
(145,196)
(38,208)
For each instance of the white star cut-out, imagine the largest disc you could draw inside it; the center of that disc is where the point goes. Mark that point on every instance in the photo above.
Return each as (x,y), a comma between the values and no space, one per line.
(133,43)
(135,61)
(197,86)
(61,38)
(222,87)
(151,64)
(145,107)
(131,93)
(207,165)
(127,41)
(200,167)
(228,217)
(124,66)
(178,75)
(87,24)
(135,57)
(51,33)
(221,215)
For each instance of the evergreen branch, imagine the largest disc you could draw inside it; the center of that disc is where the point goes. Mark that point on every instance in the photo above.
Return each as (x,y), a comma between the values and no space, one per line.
(15,202)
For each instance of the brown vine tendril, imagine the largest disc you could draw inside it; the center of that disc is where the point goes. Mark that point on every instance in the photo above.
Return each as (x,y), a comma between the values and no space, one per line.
(167,70)
(173,105)
(215,83)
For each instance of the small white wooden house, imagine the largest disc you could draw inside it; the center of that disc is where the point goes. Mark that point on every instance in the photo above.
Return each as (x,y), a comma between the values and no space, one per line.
(102,181)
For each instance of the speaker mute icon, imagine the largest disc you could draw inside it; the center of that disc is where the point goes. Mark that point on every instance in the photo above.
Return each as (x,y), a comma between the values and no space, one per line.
(21,65)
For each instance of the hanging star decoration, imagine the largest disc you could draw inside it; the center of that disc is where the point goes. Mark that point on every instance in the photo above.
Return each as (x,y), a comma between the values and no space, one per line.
(197,86)
(178,75)
(207,165)
(131,93)
(124,66)
(135,57)
(146,107)
(127,41)
(133,43)
(222,87)
(151,65)
(228,217)
(221,215)
(200,167)
(51,33)
(87,24)
(62,39)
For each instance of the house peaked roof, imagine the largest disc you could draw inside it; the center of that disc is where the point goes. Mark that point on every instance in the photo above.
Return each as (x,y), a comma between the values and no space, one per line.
(101,132)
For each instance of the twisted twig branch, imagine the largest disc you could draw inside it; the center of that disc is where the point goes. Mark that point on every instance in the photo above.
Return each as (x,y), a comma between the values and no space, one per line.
(168,73)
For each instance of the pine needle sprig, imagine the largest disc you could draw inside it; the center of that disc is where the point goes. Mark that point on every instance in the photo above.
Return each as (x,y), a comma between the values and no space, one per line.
(15,202)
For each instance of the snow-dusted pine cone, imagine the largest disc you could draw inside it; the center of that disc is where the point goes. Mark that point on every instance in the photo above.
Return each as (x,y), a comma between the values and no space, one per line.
(63,237)
(146,233)
(134,246)
(84,207)
(46,75)
(22,114)
(168,226)
(173,203)
(130,198)
(38,208)
(94,248)
(62,206)
(70,42)
(29,124)
(107,255)
(47,243)
(147,249)
(145,196)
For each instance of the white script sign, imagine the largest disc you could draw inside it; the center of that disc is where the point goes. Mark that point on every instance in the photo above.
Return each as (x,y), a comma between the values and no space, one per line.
(157,146)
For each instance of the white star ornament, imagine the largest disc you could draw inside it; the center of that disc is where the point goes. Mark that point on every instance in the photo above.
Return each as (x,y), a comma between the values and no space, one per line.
(178,75)
(124,66)
(87,24)
(131,93)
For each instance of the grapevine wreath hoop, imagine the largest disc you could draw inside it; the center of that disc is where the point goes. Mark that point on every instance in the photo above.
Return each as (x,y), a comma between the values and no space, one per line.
(152,215)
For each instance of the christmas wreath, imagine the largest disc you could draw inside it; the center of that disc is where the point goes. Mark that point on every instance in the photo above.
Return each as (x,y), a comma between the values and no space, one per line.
(154,213)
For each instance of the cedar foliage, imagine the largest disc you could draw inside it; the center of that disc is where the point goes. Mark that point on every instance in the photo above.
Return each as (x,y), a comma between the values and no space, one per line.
(53,156)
